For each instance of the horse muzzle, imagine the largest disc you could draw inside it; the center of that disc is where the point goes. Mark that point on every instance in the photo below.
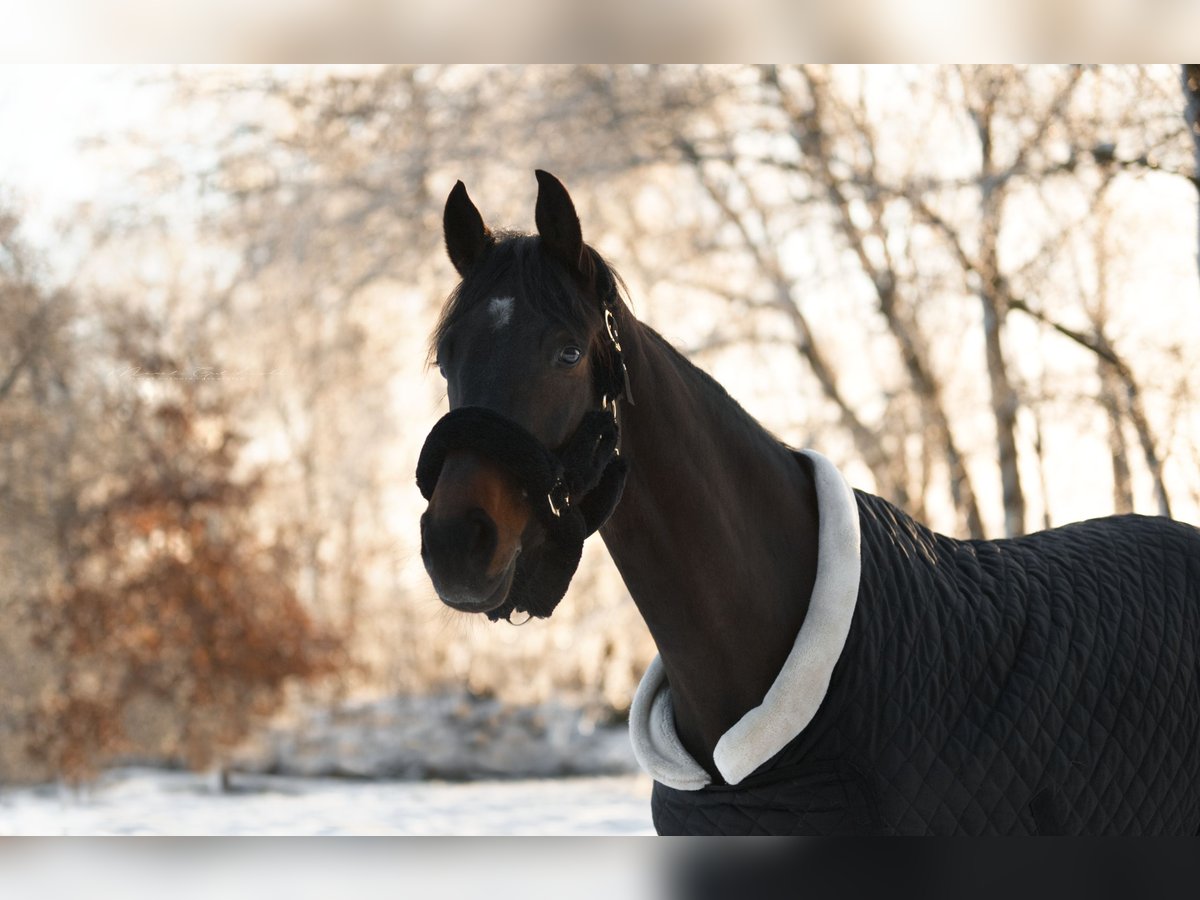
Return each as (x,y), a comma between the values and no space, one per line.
(472,532)
(459,556)
(570,494)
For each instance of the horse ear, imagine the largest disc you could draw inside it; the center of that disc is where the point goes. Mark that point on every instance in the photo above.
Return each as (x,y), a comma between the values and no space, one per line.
(466,235)
(557,222)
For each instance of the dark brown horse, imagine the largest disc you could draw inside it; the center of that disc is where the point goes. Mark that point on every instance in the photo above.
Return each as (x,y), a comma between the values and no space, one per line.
(715,536)
(1047,683)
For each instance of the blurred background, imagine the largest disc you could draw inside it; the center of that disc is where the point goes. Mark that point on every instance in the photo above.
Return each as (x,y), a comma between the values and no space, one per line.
(974,288)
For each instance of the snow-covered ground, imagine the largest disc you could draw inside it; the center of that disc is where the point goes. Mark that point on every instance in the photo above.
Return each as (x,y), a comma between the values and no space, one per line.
(451,736)
(148,801)
(444,764)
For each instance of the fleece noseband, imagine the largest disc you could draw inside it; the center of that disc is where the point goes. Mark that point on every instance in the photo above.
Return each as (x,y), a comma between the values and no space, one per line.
(573,492)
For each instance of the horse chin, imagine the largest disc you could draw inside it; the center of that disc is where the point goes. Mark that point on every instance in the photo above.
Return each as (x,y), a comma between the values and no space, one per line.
(494,599)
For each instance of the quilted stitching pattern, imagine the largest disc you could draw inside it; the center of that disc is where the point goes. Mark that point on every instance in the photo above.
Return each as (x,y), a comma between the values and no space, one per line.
(829,799)
(1039,685)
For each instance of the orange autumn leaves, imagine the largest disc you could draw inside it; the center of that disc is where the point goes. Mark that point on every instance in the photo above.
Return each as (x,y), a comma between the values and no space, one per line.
(175,608)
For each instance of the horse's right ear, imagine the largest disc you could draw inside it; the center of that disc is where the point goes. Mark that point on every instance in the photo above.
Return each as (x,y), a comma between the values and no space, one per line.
(466,235)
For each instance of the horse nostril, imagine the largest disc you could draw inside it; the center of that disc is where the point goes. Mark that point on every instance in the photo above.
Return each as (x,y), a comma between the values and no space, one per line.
(480,538)
(459,549)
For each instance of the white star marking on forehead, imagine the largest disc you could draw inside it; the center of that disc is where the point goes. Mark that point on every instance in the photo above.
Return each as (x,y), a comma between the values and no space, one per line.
(500,309)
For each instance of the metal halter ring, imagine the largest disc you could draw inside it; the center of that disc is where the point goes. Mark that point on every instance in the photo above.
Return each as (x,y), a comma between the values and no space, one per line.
(525,621)
(565,503)
(610,323)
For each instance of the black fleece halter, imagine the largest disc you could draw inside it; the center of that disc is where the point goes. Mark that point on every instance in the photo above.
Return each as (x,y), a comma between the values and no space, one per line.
(573,491)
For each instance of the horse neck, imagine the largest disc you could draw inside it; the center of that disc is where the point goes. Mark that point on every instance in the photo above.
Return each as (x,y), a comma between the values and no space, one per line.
(715,538)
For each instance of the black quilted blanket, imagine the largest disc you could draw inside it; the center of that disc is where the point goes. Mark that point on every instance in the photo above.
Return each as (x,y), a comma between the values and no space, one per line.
(1041,685)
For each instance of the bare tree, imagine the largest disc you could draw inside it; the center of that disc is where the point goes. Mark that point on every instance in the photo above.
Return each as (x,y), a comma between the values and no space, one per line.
(1110,385)
(1190,76)
(813,128)
(770,151)
(806,343)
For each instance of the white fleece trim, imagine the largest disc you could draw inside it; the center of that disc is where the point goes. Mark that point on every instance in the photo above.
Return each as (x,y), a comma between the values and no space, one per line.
(655,743)
(794,697)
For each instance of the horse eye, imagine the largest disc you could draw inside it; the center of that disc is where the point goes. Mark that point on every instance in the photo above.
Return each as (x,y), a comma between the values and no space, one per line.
(441,368)
(570,356)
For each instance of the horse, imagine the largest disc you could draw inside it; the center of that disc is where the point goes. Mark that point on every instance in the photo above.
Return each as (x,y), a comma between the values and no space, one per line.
(826,664)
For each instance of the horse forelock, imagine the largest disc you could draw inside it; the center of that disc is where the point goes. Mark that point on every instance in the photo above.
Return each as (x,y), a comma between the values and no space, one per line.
(516,266)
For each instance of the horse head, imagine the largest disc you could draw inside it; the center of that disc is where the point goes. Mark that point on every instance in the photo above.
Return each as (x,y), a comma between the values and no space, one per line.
(526,464)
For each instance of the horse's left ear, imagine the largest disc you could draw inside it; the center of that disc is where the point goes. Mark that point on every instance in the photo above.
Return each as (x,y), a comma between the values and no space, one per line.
(557,222)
